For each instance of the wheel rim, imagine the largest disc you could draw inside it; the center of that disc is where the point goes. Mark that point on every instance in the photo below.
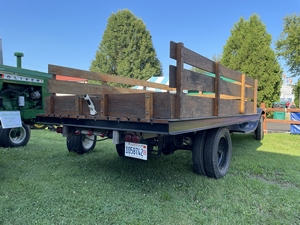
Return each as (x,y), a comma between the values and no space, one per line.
(17,135)
(88,141)
(222,152)
(39,126)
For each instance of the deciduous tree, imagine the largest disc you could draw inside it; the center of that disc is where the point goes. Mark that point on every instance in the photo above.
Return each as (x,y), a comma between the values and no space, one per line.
(288,44)
(248,50)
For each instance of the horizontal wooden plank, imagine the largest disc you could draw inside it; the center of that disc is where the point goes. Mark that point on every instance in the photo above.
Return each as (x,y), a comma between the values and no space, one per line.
(53,69)
(65,87)
(199,61)
(250,81)
(229,107)
(197,81)
(162,105)
(126,105)
(281,110)
(229,73)
(228,88)
(193,58)
(203,83)
(249,93)
(193,106)
(249,107)
(283,121)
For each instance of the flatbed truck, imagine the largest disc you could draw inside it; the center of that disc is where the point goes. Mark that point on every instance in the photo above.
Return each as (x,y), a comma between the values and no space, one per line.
(197,111)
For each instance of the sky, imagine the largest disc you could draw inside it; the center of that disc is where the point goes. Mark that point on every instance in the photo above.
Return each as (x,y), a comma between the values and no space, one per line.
(68,33)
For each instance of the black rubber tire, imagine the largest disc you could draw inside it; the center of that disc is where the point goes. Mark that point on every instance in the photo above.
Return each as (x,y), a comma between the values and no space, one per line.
(81,144)
(16,137)
(259,131)
(198,152)
(1,138)
(217,152)
(120,149)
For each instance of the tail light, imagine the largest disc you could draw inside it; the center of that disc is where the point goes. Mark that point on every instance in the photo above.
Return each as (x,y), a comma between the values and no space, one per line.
(127,137)
(135,138)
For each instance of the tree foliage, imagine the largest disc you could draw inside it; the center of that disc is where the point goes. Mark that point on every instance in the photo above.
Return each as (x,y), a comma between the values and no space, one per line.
(248,50)
(288,44)
(296,89)
(126,49)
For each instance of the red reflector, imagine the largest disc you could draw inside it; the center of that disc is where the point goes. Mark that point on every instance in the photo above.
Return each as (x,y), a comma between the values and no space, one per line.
(77,132)
(102,135)
(127,137)
(59,130)
(90,133)
(136,138)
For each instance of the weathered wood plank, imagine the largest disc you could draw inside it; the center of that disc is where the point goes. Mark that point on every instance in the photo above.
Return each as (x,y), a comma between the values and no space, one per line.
(217,90)
(250,81)
(126,105)
(197,81)
(173,47)
(200,82)
(249,107)
(192,58)
(148,105)
(229,73)
(193,106)
(53,69)
(229,107)
(65,87)
(103,103)
(162,105)
(172,76)
(249,93)
(230,89)
(179,74)
(199,61)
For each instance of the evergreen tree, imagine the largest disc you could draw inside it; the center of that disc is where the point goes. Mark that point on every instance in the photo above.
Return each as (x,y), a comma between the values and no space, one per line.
(288,45)
(126,49)
(248,50)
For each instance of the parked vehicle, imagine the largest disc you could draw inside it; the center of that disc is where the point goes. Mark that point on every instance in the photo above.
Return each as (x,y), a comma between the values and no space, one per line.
(143,123)
(22,93)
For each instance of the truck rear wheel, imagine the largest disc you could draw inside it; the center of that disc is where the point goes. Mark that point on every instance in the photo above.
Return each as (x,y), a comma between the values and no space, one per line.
(198,152)
(15,137)
(259,132)
(217,153)
(121,149)
(81,143)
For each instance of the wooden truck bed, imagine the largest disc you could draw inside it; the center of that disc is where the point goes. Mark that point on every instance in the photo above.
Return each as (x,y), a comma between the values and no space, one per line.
(192,101)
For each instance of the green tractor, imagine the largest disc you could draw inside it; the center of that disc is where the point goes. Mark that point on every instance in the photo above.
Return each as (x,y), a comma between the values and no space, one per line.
(21,98)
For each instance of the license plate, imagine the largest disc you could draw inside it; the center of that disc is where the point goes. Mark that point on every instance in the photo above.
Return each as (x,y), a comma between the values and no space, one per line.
(135,150)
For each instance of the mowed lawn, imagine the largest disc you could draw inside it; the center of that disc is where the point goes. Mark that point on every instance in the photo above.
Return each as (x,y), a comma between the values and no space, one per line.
(43,183)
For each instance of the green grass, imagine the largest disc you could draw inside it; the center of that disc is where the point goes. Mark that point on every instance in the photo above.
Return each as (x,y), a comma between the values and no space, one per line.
(43,183)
